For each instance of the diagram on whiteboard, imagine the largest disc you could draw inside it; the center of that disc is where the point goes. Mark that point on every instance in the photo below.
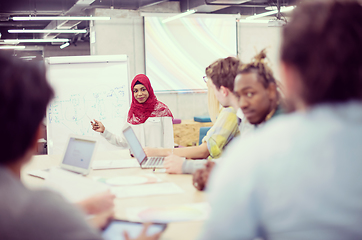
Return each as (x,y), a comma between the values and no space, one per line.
(86,88)
(76,111)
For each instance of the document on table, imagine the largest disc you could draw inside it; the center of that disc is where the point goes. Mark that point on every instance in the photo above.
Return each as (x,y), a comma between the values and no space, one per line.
(121,163)
(72,186)
(40,173)
(129,180)
(146,190)
(171,213)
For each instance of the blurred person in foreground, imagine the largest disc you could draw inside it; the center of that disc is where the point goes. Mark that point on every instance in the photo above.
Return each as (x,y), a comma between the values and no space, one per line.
(37,214)
(300,175)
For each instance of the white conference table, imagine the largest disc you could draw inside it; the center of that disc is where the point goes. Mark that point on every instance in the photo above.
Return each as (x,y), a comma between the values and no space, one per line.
(174,231)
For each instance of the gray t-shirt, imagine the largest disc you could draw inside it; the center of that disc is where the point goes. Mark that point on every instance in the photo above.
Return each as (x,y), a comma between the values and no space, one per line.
(38,215)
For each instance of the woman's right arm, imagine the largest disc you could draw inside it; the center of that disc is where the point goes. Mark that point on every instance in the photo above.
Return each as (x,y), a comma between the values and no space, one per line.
(110,137)
(114,139)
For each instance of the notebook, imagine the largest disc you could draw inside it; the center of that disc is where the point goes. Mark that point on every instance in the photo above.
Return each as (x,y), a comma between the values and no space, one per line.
(137,150)
(78,156)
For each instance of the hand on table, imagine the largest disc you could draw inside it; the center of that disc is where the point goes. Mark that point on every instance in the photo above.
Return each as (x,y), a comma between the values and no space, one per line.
(98,203)
(101,220)
(201,176)
(97,126)
(143,235)
(173,164)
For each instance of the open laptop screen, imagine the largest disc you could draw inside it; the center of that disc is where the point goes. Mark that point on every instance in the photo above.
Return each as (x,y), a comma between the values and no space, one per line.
(134,144)
(79,152)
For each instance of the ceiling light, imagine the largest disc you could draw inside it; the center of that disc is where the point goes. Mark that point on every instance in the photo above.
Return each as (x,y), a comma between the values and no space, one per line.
(16,41)
(189,12)
(81,18)
(271,8)
(282,9)
(47,30)
(25,57)
(252,21)
(12,47)
(64,45)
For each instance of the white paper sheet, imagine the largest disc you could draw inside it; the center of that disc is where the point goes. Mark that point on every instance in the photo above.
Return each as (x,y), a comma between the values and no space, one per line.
(146,190)
(171,213)
(109,164)
(72,186)
(43,173)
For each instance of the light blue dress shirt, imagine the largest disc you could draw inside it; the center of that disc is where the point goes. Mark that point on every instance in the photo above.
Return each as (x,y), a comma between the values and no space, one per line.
(297,178)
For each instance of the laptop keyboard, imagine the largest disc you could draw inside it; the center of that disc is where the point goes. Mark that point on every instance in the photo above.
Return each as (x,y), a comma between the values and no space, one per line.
(154,162)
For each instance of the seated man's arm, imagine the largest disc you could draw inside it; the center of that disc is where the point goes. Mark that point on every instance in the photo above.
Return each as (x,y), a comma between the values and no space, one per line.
(196,152)
(98,203)
(232,196)
(49,216)
(224,129)
(100,207)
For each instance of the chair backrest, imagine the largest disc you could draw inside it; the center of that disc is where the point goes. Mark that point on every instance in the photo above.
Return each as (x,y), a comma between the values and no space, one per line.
(202,119)
(203,132)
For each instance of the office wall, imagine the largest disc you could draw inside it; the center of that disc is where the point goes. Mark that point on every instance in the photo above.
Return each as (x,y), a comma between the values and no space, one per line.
(252,38)
(185,105)
(124,34)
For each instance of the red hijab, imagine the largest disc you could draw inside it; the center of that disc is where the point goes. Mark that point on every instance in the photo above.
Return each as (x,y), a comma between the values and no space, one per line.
(140,112)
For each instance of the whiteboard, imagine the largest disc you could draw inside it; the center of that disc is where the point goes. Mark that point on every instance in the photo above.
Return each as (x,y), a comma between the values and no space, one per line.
(86,87)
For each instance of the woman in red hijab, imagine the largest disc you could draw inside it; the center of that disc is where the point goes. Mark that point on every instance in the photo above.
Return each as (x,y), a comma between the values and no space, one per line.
(151,120)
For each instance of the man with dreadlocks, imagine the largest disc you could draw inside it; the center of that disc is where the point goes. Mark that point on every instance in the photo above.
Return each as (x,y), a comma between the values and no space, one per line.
(256,89)
(299,177)
(258,98)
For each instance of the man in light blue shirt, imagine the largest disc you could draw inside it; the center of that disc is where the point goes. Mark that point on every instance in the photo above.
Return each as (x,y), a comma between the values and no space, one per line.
(300,175)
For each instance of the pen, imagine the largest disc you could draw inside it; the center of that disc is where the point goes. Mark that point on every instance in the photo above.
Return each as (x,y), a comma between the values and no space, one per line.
(95,123)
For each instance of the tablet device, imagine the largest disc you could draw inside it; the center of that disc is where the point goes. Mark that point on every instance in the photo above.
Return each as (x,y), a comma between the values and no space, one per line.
(115,229)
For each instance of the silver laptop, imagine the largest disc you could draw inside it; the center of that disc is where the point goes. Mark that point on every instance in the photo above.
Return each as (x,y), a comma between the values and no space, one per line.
(137,150)
(78,156)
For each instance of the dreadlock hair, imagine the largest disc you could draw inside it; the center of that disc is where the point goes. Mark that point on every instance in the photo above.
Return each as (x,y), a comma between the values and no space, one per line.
(258,65)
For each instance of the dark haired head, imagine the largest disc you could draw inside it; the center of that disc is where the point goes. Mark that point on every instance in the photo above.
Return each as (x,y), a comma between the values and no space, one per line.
(24,96)
(323,42)
(223,72)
